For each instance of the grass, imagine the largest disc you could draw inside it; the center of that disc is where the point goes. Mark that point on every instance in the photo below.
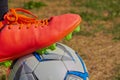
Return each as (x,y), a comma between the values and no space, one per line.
(33,4)
(98,7)
(98,10)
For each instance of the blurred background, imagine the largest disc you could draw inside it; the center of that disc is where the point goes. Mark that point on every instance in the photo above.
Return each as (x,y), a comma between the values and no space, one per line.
(98,42)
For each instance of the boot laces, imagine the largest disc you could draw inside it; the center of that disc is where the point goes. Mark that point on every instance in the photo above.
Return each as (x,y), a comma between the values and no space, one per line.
(12,17)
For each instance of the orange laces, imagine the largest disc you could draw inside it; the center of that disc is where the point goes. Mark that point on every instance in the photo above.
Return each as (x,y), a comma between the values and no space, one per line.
(12,17)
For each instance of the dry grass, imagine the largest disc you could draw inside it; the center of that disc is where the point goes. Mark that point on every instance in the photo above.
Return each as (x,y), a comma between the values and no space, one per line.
(100,53)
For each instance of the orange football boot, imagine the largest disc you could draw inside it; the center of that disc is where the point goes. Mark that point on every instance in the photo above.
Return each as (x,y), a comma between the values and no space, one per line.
(21,35)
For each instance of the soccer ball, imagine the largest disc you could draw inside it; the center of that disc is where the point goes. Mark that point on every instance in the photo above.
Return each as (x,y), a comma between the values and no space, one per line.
(63,63)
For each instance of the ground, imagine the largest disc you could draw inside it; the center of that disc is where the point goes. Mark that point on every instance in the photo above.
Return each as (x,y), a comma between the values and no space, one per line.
(98,43)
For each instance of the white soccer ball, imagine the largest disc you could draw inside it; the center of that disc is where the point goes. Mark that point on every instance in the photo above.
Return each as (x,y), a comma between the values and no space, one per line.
(63,63)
